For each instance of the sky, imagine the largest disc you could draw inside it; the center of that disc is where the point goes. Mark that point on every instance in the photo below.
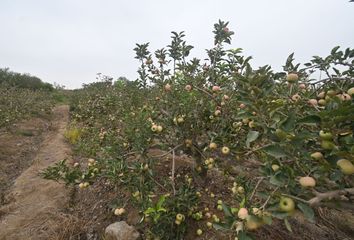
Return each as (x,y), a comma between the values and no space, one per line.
(69,41)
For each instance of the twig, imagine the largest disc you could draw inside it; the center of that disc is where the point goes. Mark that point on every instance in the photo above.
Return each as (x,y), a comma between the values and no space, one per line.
(204,91)
(329,195)
(153,179)
(319,197)
(270,195)
(173,172)
(296,198)
(165,154)
(255,188)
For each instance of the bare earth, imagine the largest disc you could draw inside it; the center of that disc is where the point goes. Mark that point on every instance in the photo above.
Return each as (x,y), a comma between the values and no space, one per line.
(34,209)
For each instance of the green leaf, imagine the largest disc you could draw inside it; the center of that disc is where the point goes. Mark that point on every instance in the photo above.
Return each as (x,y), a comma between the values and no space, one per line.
(287,225)
(227,210)
(275,181)
(311,119)
(149,210)
(289,123)
(160,202)
(267,220)
(275,151)
(307,210)
(280,215)
(251,136)
(244,236)
(220,226)
(334,50)
(243,202)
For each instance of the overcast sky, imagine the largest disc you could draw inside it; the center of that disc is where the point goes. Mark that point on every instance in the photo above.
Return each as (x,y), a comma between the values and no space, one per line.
(69,41)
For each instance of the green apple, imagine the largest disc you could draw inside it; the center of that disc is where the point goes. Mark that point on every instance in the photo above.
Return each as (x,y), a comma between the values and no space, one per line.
(346,166)
(327,145)
(331,93)
(253,223)
(292,77)
(307,181)
(317,155)
(286,204)
(322,102)
(275,167)
(280,134)
(326,135)
(350,91)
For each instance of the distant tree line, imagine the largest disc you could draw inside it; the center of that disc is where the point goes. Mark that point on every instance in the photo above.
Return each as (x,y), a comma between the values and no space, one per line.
(12,79)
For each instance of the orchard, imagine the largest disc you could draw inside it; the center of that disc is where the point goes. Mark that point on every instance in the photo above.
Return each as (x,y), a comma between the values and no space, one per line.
(202,147)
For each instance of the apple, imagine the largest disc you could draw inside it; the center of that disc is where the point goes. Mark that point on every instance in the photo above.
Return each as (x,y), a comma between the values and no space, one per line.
(307,181)
(236,124)
(240,190)
(296,97)
(245,120)
(159,129)
(91,160)
(327,145)
(251,124)
(253,223)
(180,217)
(302,86)
(280,134)
(322,102)
(346,166)
(350,91)
(242,106)
(226,97)
(331,93)
(209,224)
(180,120)
(317,155)
(188,142)
(242,213)
(199,232)
(345,97)
(188,88)
(321,95)
(275,167)
(154,128)
(216,88)
(324,135)
(292,77)
(286,204)
(219,207)
(81,185)
(213,146)
(225,150)
(86,184)
(312,102)
(168,87)
(119,211)
(177,222)
(217,112)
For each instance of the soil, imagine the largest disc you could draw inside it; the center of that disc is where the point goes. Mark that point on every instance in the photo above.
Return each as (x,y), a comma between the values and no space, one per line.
(32,206)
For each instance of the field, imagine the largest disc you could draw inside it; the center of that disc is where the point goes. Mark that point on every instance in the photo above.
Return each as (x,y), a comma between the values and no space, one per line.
(203,150)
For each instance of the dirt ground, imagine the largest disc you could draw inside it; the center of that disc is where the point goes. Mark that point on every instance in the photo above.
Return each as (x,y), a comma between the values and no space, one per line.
(31,206)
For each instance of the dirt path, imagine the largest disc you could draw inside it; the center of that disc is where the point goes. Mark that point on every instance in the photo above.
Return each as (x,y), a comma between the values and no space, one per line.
(36,203)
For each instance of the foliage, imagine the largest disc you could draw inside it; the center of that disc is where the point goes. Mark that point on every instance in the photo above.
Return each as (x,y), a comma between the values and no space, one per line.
(266,130)
(18,80)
